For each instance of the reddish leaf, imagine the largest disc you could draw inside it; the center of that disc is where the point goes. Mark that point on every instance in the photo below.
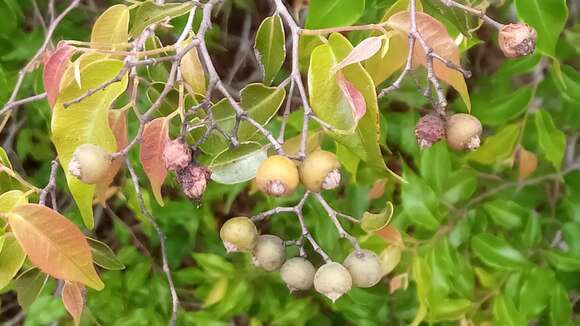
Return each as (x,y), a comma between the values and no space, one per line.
(353,95)
(436,36)
(73,300)
(155,137)
(54,68)
(528,163)
(54,244)
(392,235)
(118,124)
(399,282)
(363,51)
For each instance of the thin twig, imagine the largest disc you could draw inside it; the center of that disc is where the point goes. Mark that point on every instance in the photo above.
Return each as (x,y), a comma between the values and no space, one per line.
(50,187)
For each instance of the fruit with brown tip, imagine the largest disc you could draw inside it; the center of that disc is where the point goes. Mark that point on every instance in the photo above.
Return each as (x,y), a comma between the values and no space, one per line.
(90,163)
(239,234)
(320,171)
(463,132)
(277,176)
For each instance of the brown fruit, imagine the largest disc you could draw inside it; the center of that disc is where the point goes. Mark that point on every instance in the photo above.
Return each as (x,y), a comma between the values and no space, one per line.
(90,163)
(517,40)
(364,267)
(239,234)
(463,132)
(320,170)
(429,130)
(277,176)
(176,155)
(333,280)
(298,274)
(193,180)
(269,252)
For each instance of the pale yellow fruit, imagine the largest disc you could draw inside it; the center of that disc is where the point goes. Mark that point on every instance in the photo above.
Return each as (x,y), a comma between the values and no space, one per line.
(90,163)
(277,176)
(269,252)
(364,268)
(320,171)
(332,280)
(463,132)
(298,274)
(239,234)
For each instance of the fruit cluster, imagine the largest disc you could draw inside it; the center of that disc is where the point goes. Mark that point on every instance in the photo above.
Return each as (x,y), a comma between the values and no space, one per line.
(462,131)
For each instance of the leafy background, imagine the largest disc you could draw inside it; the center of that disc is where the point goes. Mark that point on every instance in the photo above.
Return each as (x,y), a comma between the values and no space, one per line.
(487,237)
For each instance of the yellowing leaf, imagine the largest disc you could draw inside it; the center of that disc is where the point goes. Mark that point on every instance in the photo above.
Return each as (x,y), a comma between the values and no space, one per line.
(217,293)
(11,199)
(73,300)
(155,137)
(54,244)
(11,259)
(363,51)
(193,73)
(436,36)
(86,121)
(111,28)
(118,124)
(54,68)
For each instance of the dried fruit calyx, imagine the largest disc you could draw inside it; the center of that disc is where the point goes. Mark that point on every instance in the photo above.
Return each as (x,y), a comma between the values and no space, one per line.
(176,155)
(332,280)
(193,180)
(516,40)
(320,170)
(429,130)
(364,267)
(298,274)
(269,252)
(90,163)
(277,176)
(239,234)
(463,132)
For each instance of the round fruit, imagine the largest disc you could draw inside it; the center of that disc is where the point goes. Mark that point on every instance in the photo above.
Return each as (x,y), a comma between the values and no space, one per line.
(320,170)
(269,252)
(333,280)
(277,176)
(517,40)
(176,155)
(239,234)
(429,130)
(463,131)
(364,267)
(298,274)
(90,163)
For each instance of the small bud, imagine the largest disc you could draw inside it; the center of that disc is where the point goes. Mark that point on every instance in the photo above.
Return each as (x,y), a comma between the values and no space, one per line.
(90,163)
(298,274)
(193,180)
(269,252)
(176,155)
(463,132)
(364,267)
(239,234)
(429,130)
(332,280)
(277,176)
(320,171)
(517,40)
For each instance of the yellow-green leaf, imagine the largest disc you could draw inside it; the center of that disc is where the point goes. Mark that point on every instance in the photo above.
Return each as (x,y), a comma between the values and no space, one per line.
(11,199)
(85,122)
(28,286)
(270,47)
(374,222)
(54,244)
(193,73)
(11,259)
(111,29)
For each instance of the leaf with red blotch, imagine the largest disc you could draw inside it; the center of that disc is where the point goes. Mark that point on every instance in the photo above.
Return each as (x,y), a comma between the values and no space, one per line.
(118,124)
(54,68)
(353,95)
(54,244)
(436,36)
(155,137)
(73,299)
(363,51)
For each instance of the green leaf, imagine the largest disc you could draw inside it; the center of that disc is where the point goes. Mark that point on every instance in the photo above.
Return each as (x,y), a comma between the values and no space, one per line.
(11,259)
(532,234)
(497,252)
(498,147)
(150,13)
(571,231)
(104,256)
(270,47)
(419,202)
(535,291)
(496,111)
(560,307)
(111,29)
(29,285)
(239,164)
(548,17)
(374,222)
(11,199)
(505,312)
(461,184)
(505,213)
(436,166)
(563,261)
(570,86)
(423,278)
(449,309)
(325,14)
(552,139)
(85,122)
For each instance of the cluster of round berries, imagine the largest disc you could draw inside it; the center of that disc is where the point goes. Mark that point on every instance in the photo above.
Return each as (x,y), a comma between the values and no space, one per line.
(361,268)
(461,130)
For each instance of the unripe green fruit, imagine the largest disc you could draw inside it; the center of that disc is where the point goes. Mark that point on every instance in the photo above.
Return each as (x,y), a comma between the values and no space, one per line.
(364,267)
(332,280)
(239,234)
(90,163)
(320,170)
(463,131)
(269,252)
(277,176)
(298,274)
